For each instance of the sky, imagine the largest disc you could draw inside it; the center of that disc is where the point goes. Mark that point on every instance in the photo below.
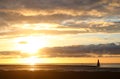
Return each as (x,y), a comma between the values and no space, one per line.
(48,30)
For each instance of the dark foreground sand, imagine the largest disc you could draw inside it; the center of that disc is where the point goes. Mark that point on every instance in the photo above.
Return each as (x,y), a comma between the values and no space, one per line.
(58,75)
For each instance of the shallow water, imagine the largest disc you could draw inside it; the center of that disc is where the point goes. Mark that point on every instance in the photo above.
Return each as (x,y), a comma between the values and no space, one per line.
(62,67)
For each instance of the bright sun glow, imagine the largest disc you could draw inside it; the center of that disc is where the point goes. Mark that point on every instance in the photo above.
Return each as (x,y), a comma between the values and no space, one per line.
(31,60)
(30,45)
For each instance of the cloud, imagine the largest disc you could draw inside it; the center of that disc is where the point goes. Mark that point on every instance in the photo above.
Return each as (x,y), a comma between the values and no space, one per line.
(12,54)
(100,50)
(108,25)
(70,12)
(56,6)
(46,4)
(89,16)
(9,54)
(27,32)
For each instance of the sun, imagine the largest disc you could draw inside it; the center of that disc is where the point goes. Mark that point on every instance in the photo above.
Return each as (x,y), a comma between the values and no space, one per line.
(30,44)
(32,60)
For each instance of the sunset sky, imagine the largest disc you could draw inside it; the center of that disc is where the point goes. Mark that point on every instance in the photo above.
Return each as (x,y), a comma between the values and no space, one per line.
(55,31)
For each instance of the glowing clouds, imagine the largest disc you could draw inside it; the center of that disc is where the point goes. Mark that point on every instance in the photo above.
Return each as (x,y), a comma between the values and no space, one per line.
(62,11)
(36,26)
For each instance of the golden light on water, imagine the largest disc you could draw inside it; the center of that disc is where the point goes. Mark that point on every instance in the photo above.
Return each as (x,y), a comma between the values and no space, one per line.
(32,69)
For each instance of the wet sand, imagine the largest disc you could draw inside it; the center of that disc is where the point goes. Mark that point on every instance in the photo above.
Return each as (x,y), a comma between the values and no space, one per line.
(58,75)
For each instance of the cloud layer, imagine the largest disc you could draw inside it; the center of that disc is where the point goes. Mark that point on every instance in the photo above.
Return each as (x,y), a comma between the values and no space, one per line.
(100,50)
(80,16)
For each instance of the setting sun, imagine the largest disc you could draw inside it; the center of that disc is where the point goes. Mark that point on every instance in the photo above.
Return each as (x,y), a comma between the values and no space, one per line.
(31,60)
(30,45)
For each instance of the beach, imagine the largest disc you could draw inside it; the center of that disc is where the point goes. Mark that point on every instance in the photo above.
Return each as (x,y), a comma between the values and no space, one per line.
(58,72)
(58,75)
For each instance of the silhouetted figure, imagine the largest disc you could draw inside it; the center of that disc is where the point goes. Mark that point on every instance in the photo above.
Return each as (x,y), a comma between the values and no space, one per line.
(98,63)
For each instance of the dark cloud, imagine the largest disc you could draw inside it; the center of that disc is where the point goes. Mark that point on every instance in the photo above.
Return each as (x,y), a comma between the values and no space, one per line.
(13,54)
(100,50)
(53,4)
(46,4)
